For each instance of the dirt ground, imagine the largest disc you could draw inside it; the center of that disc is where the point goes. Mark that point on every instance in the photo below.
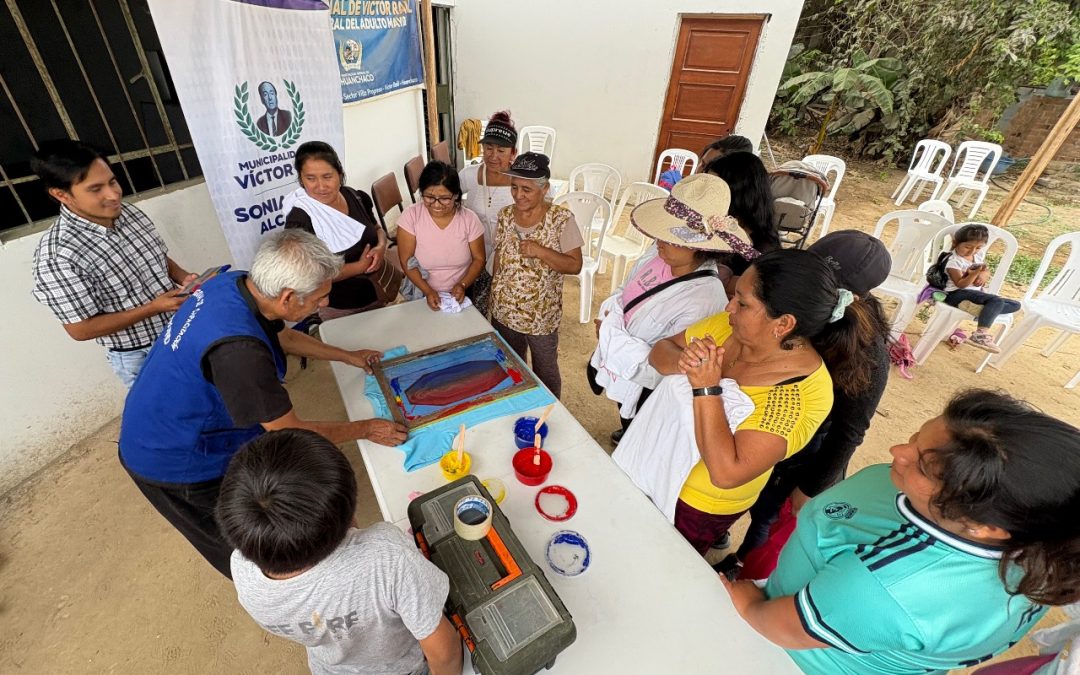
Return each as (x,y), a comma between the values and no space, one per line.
(94,581)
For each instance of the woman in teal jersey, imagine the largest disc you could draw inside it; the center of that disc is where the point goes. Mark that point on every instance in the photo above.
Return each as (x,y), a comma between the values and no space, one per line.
(942,559)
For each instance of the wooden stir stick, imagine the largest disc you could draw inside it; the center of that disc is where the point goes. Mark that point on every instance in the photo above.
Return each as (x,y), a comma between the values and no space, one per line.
(460,440)
(536,455)
(543,418)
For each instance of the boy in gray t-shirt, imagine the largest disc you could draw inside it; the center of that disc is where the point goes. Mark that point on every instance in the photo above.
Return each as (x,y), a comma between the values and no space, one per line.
(361,601)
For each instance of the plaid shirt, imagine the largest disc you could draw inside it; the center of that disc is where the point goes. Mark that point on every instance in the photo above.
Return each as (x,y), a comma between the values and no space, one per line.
(82,269)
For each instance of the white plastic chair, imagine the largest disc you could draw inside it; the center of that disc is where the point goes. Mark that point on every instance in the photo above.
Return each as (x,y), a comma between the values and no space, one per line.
(587,209)
(827,164)
(926,165)
(941,208)
(909,250)
(537,139)
(1058,305)
(597,178)
(678,159)
(627,247)
(479,159)
(964,173)
(946,319)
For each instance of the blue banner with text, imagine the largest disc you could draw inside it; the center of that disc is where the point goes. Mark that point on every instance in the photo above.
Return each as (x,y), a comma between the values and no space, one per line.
(378,46)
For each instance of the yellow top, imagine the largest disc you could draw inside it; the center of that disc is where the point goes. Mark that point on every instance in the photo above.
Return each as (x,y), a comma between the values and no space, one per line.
(792,411)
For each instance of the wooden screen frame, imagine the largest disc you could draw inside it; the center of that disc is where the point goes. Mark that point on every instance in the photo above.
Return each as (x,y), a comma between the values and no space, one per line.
(528,380)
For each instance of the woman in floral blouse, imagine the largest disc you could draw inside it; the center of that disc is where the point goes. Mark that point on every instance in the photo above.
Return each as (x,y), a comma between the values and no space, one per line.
(536,243)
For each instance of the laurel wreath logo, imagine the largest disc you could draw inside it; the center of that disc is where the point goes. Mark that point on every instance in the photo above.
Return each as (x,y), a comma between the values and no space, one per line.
(255,134)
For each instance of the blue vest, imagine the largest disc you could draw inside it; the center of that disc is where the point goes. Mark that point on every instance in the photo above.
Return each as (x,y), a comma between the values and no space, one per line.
(175,427)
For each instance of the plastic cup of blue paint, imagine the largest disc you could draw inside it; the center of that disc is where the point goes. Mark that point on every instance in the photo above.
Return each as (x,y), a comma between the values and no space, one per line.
(525,432)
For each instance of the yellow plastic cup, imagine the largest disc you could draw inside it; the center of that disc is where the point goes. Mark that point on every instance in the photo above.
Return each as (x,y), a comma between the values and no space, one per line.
(451,470)
(497,489)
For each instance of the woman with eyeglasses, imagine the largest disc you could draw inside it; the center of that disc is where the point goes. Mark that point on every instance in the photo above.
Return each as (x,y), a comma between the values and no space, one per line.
(446,238)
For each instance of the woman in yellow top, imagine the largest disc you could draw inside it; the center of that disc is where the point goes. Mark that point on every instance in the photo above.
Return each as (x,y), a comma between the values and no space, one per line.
(785,323)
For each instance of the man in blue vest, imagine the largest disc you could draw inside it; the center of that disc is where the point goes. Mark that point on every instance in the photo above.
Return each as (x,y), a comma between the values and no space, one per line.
(213,381)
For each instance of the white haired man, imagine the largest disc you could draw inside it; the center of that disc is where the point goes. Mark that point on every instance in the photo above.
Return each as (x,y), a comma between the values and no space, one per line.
(213,381)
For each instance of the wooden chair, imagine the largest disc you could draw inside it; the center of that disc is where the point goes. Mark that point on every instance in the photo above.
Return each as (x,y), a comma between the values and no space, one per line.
(413,168)
(441,152)
(386,194)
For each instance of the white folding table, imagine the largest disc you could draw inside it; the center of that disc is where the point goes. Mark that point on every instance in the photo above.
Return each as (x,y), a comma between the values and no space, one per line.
(648,602)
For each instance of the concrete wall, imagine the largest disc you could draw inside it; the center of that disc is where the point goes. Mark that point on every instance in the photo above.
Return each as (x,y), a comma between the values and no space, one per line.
(380,136)
(56,391)
(598,71)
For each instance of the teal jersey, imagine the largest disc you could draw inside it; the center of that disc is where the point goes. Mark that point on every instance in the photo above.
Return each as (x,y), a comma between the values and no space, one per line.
(890,591)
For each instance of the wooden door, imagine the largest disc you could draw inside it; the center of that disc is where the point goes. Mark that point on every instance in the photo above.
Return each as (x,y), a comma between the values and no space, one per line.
(713,57)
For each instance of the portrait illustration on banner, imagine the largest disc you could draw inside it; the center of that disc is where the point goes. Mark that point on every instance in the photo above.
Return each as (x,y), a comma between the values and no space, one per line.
(277,128)
(276,120)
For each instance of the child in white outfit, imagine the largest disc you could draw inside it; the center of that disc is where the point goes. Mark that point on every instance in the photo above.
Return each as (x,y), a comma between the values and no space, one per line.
(968,273)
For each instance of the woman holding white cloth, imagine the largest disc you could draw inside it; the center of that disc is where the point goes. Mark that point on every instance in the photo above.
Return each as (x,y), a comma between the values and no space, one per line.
(675,284)
(342,218)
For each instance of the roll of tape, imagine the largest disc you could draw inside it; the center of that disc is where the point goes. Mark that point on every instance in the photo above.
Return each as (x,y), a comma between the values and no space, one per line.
(472,517)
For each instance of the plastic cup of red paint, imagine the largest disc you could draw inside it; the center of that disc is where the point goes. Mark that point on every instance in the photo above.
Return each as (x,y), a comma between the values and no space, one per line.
(529,472)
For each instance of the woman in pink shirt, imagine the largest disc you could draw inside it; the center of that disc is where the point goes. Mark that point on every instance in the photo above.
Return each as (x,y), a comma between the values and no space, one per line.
(446,238)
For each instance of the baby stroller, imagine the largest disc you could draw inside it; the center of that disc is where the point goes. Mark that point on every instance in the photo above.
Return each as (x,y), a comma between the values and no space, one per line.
(797,189)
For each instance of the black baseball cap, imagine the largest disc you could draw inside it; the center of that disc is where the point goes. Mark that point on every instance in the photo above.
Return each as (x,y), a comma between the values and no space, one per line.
(530,165)
(860,261)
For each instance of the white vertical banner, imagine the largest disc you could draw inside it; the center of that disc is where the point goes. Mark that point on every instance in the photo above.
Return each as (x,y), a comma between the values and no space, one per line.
(256,78)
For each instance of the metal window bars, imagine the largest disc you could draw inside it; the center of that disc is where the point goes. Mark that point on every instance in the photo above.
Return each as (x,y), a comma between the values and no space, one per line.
(55,96)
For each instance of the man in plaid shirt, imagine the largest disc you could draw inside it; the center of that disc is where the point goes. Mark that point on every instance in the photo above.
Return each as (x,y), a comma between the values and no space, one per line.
(102,268)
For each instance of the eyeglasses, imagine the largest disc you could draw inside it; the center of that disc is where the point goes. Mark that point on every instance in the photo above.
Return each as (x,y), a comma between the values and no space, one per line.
(443,201)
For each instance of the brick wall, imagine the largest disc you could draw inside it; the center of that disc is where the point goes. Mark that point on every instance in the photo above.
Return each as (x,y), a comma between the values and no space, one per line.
(1032,124)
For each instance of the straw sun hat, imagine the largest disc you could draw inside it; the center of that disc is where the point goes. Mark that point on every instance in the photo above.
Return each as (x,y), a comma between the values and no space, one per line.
(694,216)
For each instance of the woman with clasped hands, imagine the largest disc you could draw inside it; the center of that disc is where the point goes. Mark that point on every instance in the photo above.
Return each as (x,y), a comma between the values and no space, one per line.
(786,320)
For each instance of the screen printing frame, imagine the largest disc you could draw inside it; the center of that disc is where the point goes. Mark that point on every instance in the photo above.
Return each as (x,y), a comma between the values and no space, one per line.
(380,372)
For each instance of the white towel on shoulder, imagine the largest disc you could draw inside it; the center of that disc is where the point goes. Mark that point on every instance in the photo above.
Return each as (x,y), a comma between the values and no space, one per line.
(337,230)
(659,449)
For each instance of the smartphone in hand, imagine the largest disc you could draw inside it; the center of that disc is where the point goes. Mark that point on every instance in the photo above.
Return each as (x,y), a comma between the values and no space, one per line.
(198,281)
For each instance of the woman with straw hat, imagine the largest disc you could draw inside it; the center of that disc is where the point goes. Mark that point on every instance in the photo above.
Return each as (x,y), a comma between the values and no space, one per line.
(673,285)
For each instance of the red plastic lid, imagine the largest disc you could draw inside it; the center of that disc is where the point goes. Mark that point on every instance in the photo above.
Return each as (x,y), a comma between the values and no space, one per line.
(571,503)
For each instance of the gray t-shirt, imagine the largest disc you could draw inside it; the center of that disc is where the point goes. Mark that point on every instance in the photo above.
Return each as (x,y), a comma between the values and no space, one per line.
(360,610)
